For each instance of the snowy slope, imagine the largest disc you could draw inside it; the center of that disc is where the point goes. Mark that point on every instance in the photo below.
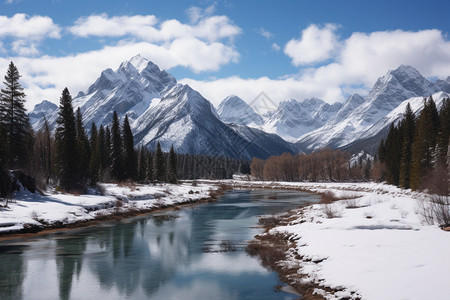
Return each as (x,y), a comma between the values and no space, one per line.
(233,109)
(357,116)
(160,109)
(396,115)
(41,110)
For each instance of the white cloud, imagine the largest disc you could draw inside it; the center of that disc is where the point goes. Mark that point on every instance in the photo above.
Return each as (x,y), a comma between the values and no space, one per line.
(213,28)
(102,25)
(315,45)
(196,13)
(265,33)
(276,47)
(44,77)
(366,56)
(362,58)
(249,88)
(25,48)
(22,26)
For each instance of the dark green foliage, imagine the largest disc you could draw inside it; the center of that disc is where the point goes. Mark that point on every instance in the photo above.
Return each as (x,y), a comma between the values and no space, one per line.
(392,156)
(172,166)
(66,144)
(94,163)
(407,128)
(142,164)
(381,151)
(83,149)
(418,148)
(425,138)
(159,169)
(117,172)
(129,155)
(444,134)
(15,122)
(149,170)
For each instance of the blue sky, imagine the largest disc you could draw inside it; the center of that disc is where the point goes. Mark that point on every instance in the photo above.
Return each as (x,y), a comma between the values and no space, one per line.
(288,49)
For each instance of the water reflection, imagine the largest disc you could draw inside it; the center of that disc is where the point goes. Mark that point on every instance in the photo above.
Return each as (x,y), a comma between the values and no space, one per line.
(158,257)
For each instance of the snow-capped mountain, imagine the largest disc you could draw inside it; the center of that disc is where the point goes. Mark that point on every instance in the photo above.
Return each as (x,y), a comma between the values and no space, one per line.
(293,118)
(41,110)
(233,109)
(358,115)
(160,109)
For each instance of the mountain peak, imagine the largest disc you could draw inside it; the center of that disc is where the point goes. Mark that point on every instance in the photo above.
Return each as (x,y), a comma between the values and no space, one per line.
(139,62)
(233,109)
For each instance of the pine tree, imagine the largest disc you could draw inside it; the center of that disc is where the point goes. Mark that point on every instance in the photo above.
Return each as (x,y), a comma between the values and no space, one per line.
(407,127)
(393,155)
(172,166)
(149,171)
(381,151)
(66,143)
(129,155)
(116,150)
(83,149)
(424,145)
(142,164)
(159,170)
(444,133)
(101,148)
(94,163)
(13,116)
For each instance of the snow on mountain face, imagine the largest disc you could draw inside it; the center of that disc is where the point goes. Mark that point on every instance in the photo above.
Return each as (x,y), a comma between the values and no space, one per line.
(186,120)
(233,109)
(358,115)
(293,118)
(396,115)
(160,110)
(41,110)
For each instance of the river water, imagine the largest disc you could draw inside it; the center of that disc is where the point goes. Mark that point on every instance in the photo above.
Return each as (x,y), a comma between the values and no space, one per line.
(196,252)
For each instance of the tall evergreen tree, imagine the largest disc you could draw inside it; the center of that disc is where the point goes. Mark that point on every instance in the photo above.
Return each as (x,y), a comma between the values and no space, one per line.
(142,164)
(13,116)
(66,143)
(381,151)
(172,166)
(444,133)
(94,163)
(407,128)
(101,148)
(149,171)
(129,155)
(424,145)
(393,155)
(83,149)
(159,170)
(116,149)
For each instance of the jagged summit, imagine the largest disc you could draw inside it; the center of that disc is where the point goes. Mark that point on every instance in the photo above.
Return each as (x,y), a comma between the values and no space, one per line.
(233,109)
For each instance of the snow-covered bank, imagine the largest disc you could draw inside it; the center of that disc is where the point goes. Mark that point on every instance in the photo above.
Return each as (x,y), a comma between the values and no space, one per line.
(375,246)
(27,210)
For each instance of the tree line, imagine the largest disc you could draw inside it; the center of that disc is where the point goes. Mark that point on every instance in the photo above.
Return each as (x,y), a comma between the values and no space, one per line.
(322,165)
(73,158)
(415,152)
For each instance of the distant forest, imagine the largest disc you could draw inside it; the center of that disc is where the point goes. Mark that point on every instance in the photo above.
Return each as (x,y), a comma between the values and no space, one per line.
(71,159)
(415,155)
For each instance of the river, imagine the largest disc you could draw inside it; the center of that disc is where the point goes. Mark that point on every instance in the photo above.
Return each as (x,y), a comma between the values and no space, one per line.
(196,252)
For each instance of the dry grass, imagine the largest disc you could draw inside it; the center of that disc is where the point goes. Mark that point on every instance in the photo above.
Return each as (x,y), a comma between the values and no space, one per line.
(331,211)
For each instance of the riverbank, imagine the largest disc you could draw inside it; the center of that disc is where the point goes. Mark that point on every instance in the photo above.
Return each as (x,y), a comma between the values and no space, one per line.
(27,213)
(365,241)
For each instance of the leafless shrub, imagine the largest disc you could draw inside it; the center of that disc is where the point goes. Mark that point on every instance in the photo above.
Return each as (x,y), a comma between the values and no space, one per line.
(351,203)
(435,210)
(328,197)
(331,211)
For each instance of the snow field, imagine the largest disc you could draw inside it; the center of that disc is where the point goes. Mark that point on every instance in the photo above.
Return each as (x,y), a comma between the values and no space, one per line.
(56,208)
